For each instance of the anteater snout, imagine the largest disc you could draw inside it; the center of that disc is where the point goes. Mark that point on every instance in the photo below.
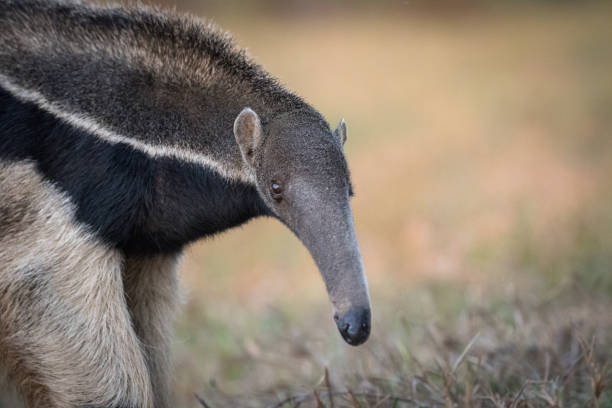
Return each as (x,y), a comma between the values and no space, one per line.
(355,325)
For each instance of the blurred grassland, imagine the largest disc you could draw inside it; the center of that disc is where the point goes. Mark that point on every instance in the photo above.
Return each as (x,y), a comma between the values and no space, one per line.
(480,146)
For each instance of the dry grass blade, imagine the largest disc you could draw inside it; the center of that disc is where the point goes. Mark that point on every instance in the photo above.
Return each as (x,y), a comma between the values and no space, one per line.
(354,401)
(383,400)
(464,352)
(330,391)
(201,401)
(516,400)
(318,399)
(293,400)
(350,396)
(597,371)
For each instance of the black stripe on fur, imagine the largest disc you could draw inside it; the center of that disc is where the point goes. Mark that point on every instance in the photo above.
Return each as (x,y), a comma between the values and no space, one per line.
(138,204)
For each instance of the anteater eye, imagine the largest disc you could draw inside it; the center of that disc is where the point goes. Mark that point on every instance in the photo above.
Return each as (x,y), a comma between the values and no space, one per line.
(276,191)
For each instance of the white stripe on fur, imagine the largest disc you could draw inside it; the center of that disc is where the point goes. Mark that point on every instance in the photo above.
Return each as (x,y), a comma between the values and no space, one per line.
(89,125)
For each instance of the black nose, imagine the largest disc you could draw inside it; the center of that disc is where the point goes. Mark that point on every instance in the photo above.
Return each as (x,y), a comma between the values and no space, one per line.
(354,325)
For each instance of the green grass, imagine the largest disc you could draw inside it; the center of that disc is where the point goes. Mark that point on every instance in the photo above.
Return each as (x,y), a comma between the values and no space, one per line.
(518,350)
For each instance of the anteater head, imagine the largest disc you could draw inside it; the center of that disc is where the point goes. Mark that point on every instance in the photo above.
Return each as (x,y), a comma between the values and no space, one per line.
(302,176)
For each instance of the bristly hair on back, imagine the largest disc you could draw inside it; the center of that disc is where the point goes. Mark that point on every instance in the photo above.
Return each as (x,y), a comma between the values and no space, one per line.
(149,78)
(164,40)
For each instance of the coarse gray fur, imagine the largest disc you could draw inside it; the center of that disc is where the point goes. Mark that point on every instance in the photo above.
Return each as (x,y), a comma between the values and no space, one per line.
(148,77)
(84,322)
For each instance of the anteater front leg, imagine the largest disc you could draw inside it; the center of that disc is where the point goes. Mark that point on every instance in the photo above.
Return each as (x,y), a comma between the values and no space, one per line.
(152,296)
(65,330)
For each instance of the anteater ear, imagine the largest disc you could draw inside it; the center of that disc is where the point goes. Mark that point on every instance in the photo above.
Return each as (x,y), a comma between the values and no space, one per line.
(340,131)
(248,133)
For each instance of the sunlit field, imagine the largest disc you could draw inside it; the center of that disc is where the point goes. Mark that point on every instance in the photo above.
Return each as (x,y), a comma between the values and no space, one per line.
(480,146)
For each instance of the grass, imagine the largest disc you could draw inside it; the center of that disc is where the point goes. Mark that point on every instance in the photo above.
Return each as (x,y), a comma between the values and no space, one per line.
(516,351)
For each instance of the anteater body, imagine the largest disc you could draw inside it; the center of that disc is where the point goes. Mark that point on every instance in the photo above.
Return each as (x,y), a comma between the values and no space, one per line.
(125,134)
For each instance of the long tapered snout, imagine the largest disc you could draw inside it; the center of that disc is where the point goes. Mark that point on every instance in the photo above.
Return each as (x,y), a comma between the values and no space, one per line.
(303,177)
(330,238)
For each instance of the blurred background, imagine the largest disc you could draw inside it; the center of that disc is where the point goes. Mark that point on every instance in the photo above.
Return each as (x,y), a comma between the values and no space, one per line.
(480,146)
